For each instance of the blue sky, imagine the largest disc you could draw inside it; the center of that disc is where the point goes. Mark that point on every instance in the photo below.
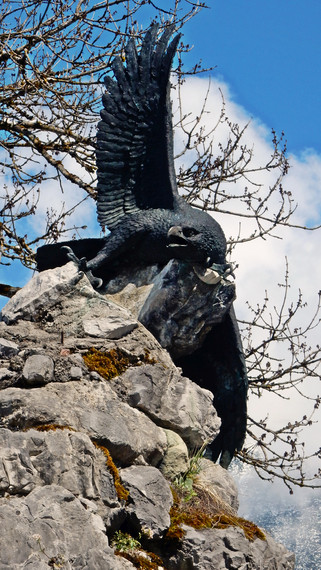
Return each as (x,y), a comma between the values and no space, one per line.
(269,52)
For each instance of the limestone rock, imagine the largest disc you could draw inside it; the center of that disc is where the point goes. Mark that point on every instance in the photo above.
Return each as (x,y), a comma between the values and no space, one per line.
(91,407)
(5,373)
(219,481)
(160,393)
(75,372)
(151,500)
(175,461)
(8,348)
(88,311)
(228,549)
(113,327)
(58,499)
(5,376)
(41,533)
(38,369)
(61,457)
(42,291)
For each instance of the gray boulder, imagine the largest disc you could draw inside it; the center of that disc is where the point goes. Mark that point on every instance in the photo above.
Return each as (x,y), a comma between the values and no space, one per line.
(88,311)
(218,481)
(160,393)
(62,457)
(38,369)
(89,407)
(7,347)
(50,528)
(176,460)
(151,500)
(228,549)
(40,293)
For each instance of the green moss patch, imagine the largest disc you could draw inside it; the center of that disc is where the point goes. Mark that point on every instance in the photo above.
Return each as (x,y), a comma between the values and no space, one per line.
(201,511)
(130,548)
(114,362)
(122,493)
(51,427)
(143,560)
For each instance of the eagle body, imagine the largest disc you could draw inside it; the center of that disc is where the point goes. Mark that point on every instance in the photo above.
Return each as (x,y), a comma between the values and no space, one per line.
(158,235)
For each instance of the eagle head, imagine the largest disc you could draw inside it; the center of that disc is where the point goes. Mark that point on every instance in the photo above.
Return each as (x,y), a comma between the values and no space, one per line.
(197,239)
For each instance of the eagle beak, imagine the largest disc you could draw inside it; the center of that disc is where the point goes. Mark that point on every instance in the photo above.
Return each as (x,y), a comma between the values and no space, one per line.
(176,237)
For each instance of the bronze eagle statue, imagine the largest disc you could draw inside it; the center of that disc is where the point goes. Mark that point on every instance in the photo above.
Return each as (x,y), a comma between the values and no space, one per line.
(149,222)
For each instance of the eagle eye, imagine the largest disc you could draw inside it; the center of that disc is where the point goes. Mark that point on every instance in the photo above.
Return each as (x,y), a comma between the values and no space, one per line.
(190,232)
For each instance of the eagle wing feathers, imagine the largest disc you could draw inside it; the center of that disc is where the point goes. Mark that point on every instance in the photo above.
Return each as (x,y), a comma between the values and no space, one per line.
(134,141)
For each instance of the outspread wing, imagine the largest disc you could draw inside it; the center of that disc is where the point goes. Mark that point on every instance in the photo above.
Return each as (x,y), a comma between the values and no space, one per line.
(135,139)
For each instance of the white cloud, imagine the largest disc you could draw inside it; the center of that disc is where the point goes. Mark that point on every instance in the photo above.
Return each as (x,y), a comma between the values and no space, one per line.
(67,197)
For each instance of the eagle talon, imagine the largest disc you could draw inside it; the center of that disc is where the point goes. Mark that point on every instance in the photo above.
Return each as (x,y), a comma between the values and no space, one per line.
(81,264)
(95,282)
(71,256)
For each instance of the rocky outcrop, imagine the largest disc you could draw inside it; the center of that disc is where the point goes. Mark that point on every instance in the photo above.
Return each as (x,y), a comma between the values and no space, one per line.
(212,548)
(177,304)
(95,423)
(51,528)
